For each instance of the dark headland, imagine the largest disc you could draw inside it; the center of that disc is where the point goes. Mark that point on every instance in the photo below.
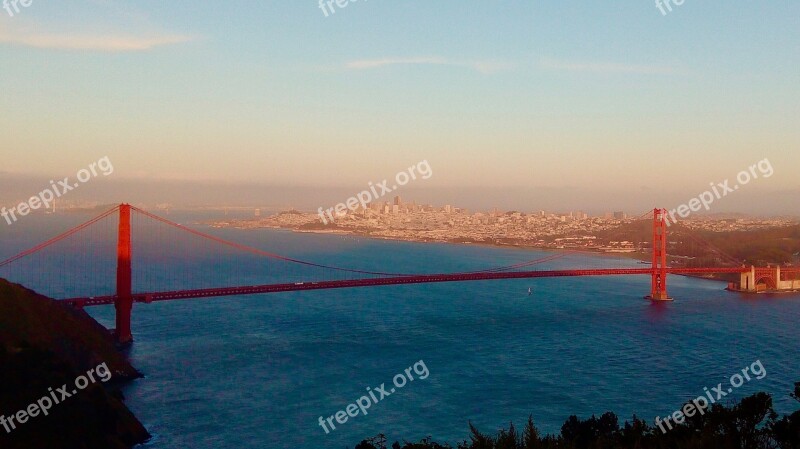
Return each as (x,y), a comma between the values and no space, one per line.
(44,345)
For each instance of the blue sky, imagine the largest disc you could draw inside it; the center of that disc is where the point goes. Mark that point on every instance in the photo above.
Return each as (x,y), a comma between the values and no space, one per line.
(554,95)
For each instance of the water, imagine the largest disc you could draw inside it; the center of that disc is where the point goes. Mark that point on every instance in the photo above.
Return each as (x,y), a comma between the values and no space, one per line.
(258,371)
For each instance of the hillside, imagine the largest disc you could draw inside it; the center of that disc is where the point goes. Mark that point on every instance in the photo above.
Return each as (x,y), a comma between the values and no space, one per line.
(779,245)
(45,345)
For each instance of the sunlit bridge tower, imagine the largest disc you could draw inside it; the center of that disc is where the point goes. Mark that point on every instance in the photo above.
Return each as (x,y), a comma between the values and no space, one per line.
(123,302)
(658,288)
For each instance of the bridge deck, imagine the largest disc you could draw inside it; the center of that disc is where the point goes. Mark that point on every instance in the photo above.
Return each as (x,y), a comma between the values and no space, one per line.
(395,280)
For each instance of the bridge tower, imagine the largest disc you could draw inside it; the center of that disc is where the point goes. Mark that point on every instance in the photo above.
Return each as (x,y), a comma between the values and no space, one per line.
(658,288)
(123,303)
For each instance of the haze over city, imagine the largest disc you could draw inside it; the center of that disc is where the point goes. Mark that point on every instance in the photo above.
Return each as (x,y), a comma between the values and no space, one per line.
(522,105)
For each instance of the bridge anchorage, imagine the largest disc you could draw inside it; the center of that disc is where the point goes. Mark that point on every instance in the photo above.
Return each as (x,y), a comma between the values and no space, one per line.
(316,276)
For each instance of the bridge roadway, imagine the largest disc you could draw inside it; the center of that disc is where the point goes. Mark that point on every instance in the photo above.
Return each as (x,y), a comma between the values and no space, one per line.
(395,280)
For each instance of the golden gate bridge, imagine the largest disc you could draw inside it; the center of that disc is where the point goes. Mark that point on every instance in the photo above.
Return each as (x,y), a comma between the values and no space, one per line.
(104,249)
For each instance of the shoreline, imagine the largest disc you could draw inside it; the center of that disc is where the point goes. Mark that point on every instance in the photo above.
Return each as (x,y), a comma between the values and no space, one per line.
(620,255)
(638,256)
(45,343)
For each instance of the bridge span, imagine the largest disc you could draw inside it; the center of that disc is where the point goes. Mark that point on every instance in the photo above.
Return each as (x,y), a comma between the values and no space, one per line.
(396,280)
(752,279)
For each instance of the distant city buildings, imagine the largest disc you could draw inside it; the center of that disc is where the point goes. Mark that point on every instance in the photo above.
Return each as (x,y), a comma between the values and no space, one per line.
(411,221)
(424,222)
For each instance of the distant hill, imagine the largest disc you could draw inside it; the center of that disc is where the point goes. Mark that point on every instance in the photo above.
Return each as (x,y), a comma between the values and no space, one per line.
(759,247)
(779,245)
(45,345)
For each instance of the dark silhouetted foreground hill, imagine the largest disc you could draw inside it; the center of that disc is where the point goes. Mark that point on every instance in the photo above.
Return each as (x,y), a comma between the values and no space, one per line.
(45,345)
(750,424)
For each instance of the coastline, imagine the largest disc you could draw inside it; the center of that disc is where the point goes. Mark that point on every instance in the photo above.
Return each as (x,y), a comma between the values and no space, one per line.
(635,255)
(343,232)
(45,344)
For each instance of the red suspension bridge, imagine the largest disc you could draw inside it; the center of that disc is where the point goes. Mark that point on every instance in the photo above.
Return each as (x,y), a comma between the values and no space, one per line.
(103,248)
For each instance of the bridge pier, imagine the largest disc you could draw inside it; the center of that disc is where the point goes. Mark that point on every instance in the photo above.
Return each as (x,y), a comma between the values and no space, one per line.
(123,302)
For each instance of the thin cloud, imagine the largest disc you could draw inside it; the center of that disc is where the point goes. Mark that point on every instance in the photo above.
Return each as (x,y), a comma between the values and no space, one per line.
(609,67)
(30,37)
(479,66)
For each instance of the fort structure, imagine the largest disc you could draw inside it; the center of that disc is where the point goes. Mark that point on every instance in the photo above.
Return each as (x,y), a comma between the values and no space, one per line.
(769,279)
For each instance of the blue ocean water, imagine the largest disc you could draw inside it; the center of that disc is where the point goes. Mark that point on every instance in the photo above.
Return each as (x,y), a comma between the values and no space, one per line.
(258,371)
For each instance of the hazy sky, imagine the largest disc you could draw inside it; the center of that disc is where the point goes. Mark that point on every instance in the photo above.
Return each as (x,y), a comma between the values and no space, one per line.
(605,101)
